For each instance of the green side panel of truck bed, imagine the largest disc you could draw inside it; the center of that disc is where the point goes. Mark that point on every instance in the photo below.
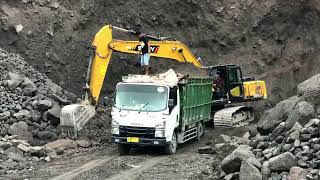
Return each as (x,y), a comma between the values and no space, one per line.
(195,100)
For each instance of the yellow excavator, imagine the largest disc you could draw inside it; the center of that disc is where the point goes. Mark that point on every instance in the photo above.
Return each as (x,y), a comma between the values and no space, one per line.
(235,88)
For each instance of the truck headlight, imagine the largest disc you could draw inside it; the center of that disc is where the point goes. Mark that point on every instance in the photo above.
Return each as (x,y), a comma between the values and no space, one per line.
(160,129)
(159,133)
(115,127)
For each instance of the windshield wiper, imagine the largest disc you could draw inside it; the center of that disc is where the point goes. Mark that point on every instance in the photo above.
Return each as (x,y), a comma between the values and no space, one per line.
(145,105)
(120,108)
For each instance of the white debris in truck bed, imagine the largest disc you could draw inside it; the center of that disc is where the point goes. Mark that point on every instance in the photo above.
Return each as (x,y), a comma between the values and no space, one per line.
(169,78)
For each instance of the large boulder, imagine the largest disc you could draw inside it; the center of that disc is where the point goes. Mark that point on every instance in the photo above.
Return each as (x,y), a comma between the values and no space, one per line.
(297,173)
(22,130)
(273,117)
(265,170)
(22,115)
(14,154)
(282,162)
(54,115)
(47,135)
(249,172)
(232,162)
(44,105)
(86,144)
(13,80)
(28,87)
(277,131)
(312,84)
(62,144)
(301,113)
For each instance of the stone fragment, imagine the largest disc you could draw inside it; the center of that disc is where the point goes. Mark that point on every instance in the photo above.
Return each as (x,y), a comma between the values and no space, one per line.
(28,87)
(202,150)
(62,144)
(295,135)
(22,130)
(232,162)
(54,115)
(282,162)
(44,105)
(277,131)
(249,172)
(13,80)
(46,135)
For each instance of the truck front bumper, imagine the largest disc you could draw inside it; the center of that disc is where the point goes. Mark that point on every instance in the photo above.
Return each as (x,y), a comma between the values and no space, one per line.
(142,141)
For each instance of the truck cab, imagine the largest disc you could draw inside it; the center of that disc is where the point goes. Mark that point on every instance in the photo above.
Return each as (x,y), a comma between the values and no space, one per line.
(153,112)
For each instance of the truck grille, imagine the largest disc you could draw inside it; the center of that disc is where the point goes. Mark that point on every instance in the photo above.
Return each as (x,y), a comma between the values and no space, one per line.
(141,132)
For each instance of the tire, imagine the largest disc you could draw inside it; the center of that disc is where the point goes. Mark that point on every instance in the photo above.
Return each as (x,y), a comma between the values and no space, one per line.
(124,149)
(171,148)
(200,130)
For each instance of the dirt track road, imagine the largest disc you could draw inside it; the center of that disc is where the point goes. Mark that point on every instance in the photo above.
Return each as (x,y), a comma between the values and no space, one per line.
(142,163)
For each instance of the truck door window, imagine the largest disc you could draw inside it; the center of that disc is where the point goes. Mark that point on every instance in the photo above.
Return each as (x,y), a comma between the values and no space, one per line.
(173,95)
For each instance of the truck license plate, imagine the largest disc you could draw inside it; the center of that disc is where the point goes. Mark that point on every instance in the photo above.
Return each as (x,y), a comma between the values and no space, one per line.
(133,139)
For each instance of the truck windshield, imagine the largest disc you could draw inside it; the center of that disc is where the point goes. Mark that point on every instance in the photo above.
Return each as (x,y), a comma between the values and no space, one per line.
(134,97)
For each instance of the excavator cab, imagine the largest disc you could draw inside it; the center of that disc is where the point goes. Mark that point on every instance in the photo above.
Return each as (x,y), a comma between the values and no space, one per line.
(229,86)
(227,83)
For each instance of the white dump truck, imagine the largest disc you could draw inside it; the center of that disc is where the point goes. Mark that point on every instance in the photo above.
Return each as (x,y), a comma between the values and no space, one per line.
(162,111)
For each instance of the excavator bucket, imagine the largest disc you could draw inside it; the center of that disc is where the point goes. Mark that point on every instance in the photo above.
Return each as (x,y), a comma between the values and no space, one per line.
(74,117)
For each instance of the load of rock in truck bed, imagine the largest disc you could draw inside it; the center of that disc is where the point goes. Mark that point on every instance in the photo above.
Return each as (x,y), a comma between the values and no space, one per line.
(169,78)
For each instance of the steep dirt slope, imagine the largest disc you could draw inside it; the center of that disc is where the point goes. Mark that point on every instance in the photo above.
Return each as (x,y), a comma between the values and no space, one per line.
(275,39)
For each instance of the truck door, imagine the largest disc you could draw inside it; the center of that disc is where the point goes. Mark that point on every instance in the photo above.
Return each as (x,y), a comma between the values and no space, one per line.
(234,84)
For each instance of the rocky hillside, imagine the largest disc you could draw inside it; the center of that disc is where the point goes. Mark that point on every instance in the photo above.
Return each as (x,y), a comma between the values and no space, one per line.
(277,40)
(285,145)
(30,103)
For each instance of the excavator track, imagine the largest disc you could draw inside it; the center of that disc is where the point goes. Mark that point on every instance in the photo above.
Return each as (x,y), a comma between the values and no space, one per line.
(233,116)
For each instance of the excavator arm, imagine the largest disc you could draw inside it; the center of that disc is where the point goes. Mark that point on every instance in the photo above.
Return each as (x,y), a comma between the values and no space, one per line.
(104,45)
(73,117)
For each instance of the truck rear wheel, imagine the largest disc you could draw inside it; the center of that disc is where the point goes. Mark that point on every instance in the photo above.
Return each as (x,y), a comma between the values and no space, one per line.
(200,130)
(171,148)
(124,149)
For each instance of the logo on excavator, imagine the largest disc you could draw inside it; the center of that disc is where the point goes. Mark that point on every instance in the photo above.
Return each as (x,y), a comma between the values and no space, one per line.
(154,49)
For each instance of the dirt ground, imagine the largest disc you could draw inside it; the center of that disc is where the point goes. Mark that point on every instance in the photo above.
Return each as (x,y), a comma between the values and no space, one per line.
(142,163)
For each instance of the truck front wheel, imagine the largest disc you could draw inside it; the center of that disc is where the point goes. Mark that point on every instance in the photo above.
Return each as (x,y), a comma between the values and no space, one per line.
(200,130)
(171,148)
(124,149)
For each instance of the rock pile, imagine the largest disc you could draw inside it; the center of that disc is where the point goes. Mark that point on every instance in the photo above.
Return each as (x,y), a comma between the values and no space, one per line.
(19,155)
(287,143)
(30,103)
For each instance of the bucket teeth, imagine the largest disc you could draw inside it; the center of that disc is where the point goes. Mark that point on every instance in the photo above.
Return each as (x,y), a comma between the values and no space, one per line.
(69,132)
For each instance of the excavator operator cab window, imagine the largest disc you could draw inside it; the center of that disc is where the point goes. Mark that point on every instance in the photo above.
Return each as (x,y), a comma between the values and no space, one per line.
(235,76)
(173,95)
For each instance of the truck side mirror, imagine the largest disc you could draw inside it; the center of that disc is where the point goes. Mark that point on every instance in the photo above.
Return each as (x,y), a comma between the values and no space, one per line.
(108,101)
(171,103)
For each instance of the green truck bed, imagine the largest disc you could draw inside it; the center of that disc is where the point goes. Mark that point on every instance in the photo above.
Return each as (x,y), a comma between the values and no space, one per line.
(195,100)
